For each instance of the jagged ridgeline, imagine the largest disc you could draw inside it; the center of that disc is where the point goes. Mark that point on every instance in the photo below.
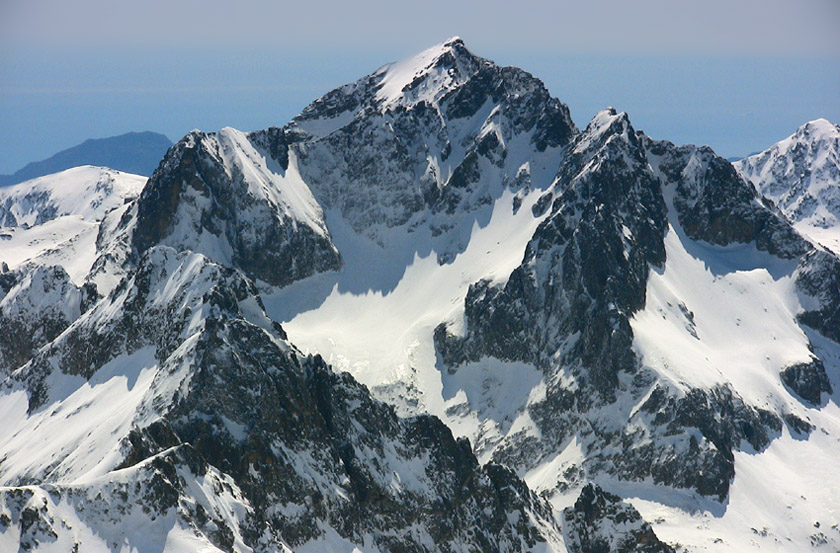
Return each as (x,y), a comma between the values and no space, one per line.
(429,314)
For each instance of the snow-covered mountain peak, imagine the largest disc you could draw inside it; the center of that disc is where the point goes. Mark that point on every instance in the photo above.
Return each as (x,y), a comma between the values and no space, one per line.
(801,175)
(819,129)
(425,77)
(819,137)
(428,75)
(442,132)
(447,78)
(607,124)
(807,160)
(87,192)
(226,197)
(55,219)
(41,289)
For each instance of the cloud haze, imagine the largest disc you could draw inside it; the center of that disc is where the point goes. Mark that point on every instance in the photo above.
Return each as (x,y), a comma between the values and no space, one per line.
(735,74)
(739,27)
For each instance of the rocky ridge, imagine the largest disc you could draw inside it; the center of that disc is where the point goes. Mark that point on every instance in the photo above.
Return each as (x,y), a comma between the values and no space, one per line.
(233,397)
(568,307)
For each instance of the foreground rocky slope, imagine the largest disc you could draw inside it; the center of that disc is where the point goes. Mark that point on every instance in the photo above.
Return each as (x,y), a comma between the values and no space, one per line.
(429,314)
(224,396)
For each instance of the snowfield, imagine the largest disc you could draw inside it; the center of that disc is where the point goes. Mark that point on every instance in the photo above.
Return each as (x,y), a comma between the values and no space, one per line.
(54,220)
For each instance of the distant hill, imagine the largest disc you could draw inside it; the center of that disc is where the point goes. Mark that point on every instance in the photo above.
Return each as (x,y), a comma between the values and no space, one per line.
(135,152)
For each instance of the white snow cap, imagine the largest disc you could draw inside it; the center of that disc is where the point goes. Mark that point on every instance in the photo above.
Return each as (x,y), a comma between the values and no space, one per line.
(86,191)
(801,175)
(819,128)
(399,75)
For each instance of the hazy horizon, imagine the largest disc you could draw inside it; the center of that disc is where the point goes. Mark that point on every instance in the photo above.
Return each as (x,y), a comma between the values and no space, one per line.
(735,76)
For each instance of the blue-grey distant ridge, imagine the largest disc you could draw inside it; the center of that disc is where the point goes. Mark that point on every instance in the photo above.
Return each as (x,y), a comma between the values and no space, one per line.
(133,152)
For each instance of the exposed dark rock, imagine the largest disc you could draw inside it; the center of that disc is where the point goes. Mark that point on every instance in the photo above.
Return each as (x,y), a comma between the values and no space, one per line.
(301,442)
(808,380)
(798,425)
(600,522)
(196,190)
(582,274)
(716,205)
(36,305)
(818,277)
(722,421)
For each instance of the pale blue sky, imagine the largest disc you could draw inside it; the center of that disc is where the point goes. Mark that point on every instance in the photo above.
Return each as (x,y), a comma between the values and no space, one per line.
(737,75)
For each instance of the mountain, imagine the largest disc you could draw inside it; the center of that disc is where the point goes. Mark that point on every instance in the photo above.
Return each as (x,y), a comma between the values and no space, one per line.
(801,176)
(428,314)
(55,219)
(134,152)
(48,232)
(224,196)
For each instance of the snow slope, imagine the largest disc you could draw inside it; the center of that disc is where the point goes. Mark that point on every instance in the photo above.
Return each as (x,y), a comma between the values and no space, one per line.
(727,316)
(722,314)
(382,333)
(54,220)
(265,179)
